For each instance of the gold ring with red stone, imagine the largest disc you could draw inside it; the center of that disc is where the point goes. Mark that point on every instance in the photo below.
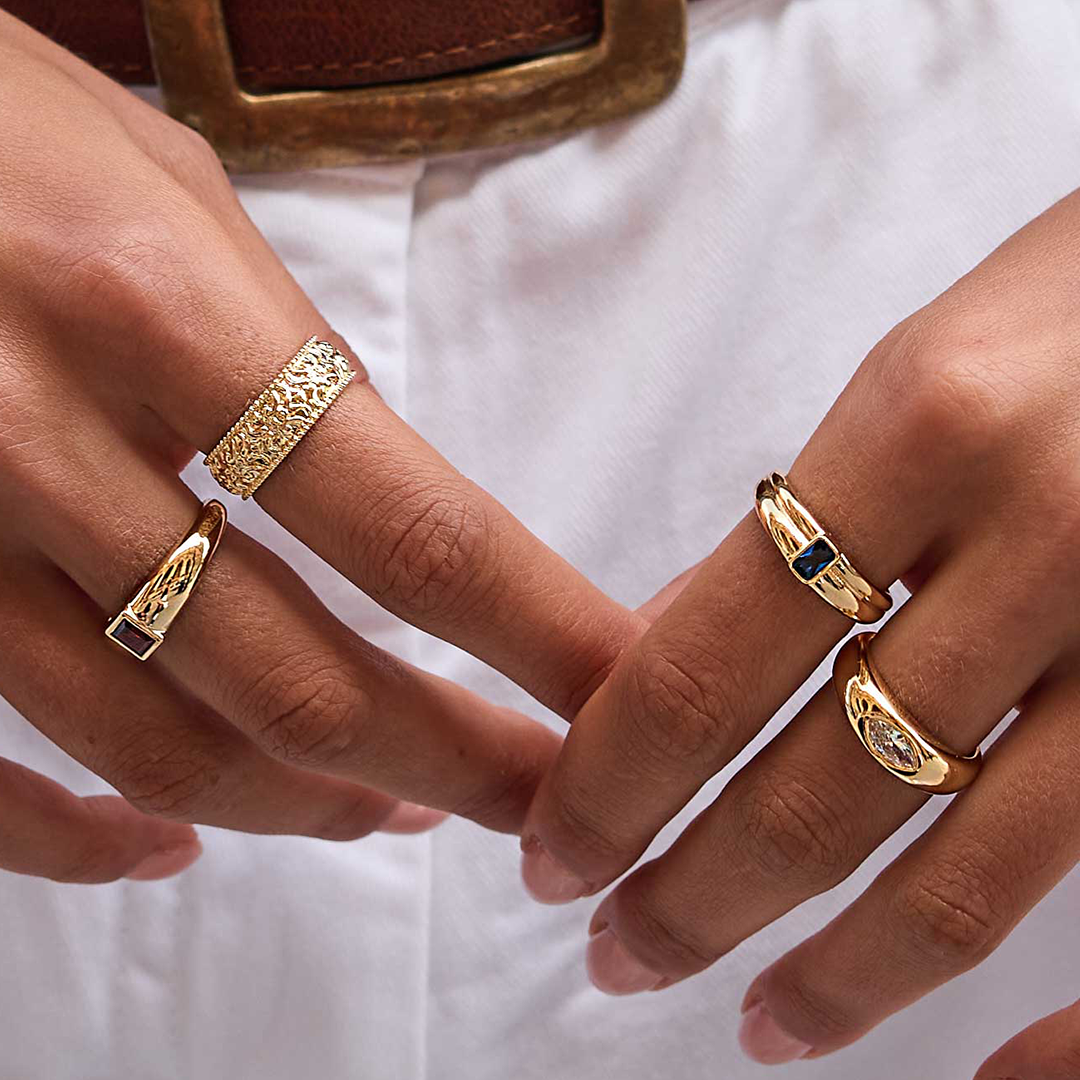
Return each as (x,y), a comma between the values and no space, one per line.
(140,628)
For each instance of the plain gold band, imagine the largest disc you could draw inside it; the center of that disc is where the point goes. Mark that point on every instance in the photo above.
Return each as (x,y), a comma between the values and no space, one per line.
(140,628)
(271,426)
(813,557)
(889,733)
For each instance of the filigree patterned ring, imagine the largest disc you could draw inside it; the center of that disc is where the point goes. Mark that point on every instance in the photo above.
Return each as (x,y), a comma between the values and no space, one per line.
(272,425)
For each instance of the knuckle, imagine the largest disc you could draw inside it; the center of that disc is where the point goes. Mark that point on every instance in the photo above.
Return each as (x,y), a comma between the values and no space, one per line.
(792,829)
(664,936)
(168,782)
(681,702)
(584,826)
(819,1013)
(955,914)
(427,552)
(944,387)
(130,272)
(308,713)
(185,153)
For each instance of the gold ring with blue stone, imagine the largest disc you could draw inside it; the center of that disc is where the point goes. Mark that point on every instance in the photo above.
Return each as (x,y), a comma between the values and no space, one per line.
(812,557)
(891,735)
(140,628)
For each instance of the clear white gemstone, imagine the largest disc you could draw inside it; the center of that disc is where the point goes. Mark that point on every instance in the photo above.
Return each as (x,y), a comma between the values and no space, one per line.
(891,744)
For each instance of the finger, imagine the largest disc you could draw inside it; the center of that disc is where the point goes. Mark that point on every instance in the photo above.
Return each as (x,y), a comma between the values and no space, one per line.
(783,830)
(369,495)
(1047,1050)
(812,805)
(945,904)
(162,748)
(685,699)
(256,646)
(45,831)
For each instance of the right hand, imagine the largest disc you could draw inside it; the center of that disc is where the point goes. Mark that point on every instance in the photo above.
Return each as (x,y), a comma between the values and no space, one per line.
(141,310)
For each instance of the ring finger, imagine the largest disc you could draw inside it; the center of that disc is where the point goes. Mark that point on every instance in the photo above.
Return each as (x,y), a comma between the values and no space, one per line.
(163,749)
(257,647)
(810,807)
(945,904)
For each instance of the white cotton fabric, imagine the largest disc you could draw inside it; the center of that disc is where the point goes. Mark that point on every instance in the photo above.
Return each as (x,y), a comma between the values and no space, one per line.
(617,334)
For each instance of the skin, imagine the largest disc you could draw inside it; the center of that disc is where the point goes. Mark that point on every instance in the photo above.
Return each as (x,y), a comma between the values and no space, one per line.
(141,311)
(950,462)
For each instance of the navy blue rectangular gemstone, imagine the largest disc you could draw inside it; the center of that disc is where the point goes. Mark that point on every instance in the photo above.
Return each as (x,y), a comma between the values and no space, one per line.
(131,637)
(813,559)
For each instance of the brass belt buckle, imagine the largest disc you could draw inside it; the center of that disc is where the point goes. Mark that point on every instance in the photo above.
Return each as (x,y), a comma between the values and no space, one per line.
(635,63)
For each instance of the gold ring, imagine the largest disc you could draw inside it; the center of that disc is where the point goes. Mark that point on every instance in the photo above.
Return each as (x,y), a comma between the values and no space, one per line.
(272,425)
(140,627)
(812,557)
(887,730)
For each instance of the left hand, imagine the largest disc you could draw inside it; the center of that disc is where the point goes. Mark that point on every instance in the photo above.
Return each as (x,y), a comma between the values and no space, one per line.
(951,461)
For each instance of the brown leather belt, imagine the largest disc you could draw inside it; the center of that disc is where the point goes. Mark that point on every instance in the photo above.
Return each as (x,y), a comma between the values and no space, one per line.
(289,44)
(288,83)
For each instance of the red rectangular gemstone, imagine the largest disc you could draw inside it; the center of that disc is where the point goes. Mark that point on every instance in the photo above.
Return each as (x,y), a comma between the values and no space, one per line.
(132,637)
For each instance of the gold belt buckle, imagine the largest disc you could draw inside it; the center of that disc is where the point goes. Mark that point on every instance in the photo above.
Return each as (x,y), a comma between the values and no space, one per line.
(636,62)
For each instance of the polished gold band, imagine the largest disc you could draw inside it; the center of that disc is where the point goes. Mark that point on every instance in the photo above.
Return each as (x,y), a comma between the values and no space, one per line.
(272,425)
(887,730)
(140,628)
(812,557)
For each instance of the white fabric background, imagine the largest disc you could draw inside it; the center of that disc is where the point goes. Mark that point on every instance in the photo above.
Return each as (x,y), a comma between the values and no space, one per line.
(616,334)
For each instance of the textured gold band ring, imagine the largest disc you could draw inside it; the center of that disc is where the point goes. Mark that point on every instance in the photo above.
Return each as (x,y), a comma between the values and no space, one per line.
(272,425)
(812,557)
(140,628)
(888,731)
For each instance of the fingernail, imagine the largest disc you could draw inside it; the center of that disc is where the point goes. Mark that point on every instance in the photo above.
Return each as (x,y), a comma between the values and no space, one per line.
(167,862)
(407,818)
(548,881)
(613,970)
(765,1041)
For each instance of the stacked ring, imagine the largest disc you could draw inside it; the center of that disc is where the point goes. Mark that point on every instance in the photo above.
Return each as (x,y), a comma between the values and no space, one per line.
(812,557)
(272,425)
(140,628)
(893,738)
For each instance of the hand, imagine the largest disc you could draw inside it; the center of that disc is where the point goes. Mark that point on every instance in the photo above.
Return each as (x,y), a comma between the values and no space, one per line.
(950,460)
(141,310)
